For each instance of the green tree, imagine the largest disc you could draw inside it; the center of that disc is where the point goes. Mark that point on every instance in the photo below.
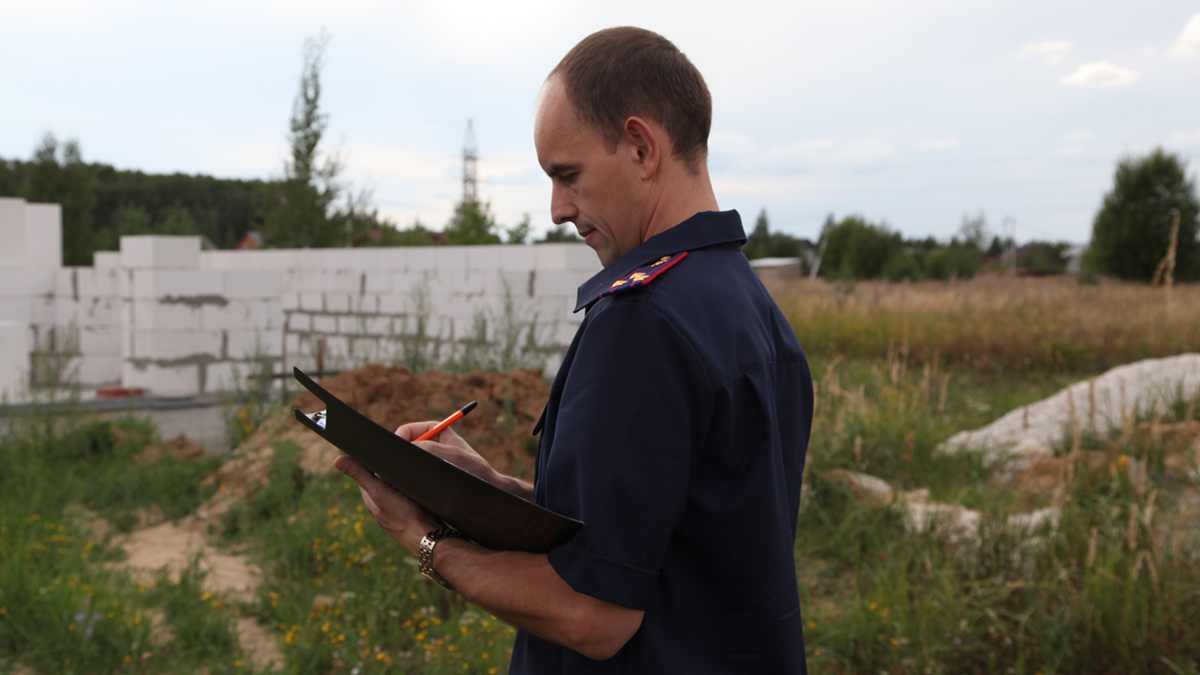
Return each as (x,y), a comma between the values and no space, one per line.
(958,260)
(473,223)
(58,175)
(763,243)
(857,249)
(300,215)
(519,233)
(1131,233)
(758,243)
(561,233)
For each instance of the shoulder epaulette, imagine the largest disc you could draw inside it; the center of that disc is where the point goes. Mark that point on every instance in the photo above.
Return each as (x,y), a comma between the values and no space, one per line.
(643,275)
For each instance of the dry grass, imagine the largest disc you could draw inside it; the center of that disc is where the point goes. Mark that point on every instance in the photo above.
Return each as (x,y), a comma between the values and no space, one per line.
(1004,324)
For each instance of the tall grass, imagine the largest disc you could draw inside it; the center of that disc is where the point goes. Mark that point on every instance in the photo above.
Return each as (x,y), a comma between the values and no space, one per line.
(1008,325)
(1113,588)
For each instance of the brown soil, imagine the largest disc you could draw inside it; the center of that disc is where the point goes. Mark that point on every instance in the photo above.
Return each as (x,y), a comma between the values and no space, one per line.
(181,448)
(499,428)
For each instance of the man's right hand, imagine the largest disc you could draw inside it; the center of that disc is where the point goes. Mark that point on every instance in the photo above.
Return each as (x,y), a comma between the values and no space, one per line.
(451,447)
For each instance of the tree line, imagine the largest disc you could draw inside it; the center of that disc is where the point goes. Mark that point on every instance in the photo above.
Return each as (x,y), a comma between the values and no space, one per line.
(309,206)
(1131,234)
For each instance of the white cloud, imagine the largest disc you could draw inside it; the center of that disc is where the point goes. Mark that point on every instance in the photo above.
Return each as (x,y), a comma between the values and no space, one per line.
(1051,52)
(1188,42)
(1078,136)
(1100,75)
(1184,138)
(950,143)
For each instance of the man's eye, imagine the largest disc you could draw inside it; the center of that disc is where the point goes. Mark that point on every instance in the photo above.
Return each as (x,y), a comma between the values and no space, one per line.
(568,178)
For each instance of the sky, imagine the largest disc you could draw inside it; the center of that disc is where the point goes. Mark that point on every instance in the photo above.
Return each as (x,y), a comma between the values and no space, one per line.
(909,113)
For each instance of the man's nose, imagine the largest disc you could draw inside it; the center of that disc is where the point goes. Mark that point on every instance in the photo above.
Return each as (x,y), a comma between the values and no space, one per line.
(561,208)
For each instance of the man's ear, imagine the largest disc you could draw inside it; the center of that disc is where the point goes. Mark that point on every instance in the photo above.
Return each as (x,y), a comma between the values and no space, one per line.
(645,144)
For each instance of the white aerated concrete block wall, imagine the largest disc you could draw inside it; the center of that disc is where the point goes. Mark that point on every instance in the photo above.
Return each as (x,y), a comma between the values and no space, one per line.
(164,316)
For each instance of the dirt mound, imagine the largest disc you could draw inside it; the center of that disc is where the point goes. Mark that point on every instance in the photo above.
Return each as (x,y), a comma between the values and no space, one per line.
(181,448)
(509,404)
(499,428)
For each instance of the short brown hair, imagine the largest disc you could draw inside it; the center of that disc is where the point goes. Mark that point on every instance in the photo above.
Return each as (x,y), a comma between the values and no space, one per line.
(616,73)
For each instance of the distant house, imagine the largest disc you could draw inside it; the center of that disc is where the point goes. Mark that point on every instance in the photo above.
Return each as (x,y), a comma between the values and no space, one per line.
(778,268)
(249,242)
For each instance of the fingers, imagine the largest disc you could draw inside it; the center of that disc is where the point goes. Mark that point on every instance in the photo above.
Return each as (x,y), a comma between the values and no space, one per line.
(414,430)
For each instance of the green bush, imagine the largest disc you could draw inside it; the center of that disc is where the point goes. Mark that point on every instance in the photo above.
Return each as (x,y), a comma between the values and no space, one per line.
(957,260)
(854,248)
(902,265)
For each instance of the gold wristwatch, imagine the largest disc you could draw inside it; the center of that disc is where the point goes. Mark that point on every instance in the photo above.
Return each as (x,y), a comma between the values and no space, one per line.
(425,558)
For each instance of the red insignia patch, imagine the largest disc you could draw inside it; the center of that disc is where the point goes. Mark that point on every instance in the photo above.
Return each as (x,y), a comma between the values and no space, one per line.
(643,275)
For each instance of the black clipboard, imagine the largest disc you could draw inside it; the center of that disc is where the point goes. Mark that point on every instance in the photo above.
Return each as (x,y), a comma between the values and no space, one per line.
(483,512)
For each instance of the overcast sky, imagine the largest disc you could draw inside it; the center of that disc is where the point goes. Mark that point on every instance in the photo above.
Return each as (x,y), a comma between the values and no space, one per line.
(912,113)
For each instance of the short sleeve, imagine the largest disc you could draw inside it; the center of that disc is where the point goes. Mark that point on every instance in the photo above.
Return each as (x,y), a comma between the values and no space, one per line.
(634,409)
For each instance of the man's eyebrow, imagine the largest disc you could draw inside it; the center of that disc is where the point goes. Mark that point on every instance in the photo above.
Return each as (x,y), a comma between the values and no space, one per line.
(558,169)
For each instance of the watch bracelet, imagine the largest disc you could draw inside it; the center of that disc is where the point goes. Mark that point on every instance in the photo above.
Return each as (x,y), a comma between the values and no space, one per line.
(425,558)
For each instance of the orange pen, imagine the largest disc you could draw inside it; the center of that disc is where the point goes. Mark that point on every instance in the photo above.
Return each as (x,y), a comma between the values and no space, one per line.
(445,424)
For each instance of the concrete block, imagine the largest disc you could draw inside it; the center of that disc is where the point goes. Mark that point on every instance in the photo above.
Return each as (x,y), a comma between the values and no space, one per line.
(175,283)
(324,323)
(423,258)
(26,283)
(16,344)
(42,310)
(15,309)
(367,303)
(66,282)
(557,282)
(98,341)
(291,343)
(312,301)
(242,283)
(290,301)
(12,232)
(104,283)
(98,371)
(310,259)
(157,345)
(337,302)
(235,314)
(516,258)
(106,260)
(158,251)
(176,380)
(452,257)
(393,303)
(466,282)
(268,314)
(550,256)
(350,281)
(248,344)
(582,258)
(223,376)
(299,321)
(169,316)
(396,259)
(379,281)
(124,283)
(338,259)
(219,260)
(311,279)
(43,236)
(485,257)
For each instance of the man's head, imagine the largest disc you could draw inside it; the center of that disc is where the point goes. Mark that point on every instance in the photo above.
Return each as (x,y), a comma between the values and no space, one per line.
(622,130)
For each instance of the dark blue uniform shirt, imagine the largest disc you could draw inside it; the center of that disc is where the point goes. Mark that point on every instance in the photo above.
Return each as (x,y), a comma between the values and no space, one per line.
(676,431)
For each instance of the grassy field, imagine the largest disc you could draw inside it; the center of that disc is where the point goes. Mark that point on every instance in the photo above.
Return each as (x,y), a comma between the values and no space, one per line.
(1011,326)
(1112,589)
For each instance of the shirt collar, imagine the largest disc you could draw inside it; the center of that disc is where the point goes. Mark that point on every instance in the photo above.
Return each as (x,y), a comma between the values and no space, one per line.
(707,228)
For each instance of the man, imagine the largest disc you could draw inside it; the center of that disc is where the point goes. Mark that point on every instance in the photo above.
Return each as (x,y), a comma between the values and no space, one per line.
(678,422)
